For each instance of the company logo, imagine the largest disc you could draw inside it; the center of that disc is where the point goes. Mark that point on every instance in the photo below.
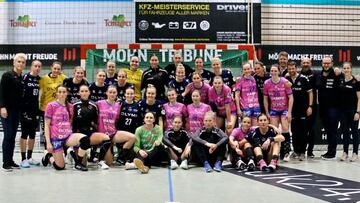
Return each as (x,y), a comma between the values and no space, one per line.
(117,21)
(204,25)
(23,21)
(189,25)
(232,7)
(143,25)
(174,25)
(344,55)
(69,54)
(158,25)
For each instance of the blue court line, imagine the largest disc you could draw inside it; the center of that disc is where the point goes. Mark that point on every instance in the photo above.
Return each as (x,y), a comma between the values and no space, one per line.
(171,194)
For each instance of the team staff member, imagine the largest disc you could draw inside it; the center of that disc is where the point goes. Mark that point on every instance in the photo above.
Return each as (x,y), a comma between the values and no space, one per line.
(99,87)
(73,84)
(11,97)
(30,114)
(329,103)
(58,133)
(266,142)
(111,73)
(283,59)
(350,110)
(134,75)
(302,108)
(311,120)
(48,84)
(156,76)
(209,144)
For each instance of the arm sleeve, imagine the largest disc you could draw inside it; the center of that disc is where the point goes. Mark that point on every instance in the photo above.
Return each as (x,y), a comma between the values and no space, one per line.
(166,139)
(137,144)
(223,136)
(196,137)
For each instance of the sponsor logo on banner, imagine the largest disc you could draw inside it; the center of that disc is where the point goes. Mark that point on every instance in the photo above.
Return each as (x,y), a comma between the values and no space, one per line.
(69,54)
(23,21)
(204,25)
(158,25)
(174,25)
(143,25)
(189,25)
(232,7)
(344,55)
(117,21)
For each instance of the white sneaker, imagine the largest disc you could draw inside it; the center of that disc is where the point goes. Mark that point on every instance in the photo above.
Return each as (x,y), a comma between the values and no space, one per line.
(184,165)
(34,162)
(103,165)
(25,164)
(173,164)
(69,159)
(286,157)
(129,166)
(354,157)
(344,156)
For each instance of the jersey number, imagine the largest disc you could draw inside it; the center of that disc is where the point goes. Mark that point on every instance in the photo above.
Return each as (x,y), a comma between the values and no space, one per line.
(128,121)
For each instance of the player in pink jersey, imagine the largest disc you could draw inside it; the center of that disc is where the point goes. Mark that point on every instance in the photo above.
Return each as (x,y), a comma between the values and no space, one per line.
(196,84)
(240,148)
(173,108)
(246,95)
(58,133)
(196,112)
(221,102)
(109,112)
(278,90)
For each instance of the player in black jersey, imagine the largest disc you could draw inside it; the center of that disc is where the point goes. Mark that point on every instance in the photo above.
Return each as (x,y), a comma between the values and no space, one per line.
(110,73)
(122,85)
(130,115)
(266,143)
(177,139)
(226,75)
(85,119)
(73,84)
(171,68)
(260,77)
(199,68)
(30,114)
(99,87)
(180,82)
(153,105)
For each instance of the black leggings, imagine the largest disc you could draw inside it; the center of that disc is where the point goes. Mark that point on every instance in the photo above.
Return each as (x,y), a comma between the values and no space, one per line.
(298,130)
(155,156)
(202,153)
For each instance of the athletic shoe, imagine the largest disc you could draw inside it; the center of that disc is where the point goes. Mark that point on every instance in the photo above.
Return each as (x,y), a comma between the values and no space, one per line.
(25,164)
(354,157)
(328,157)
(286,157)
(302,157)
(184,164)
(310,155)
(273,164)
(34,162)
(80,167)
(218,166)
(262,165)
(120,161)
(103,165)
(7,168)
(344,157)
(251,165)
(294,155)
(140,166)
(15,166)
(173,164)
(240,165)
(129,166)
(207,167)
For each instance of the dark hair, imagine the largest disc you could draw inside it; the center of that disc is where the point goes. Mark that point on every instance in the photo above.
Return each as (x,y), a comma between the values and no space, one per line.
(262,114)
(275,65)
(66,99)
(292,63)
(259,63)
(56,62)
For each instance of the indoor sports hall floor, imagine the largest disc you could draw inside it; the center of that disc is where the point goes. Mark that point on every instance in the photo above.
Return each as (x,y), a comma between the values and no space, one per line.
(313,180)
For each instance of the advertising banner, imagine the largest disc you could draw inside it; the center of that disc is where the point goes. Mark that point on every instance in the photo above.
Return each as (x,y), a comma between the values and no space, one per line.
(268,54)
(203,22)
(66,54)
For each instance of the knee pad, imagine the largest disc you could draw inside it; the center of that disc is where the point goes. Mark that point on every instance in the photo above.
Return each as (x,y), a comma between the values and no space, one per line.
(58,168)
(85,143)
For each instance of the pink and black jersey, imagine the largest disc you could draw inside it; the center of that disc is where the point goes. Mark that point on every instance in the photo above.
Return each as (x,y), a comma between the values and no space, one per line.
(108,114)
(219,100)
(248,92)
(172,110)
(196,116)
(60,127)
(238,134)
(278,94)
(204,91)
